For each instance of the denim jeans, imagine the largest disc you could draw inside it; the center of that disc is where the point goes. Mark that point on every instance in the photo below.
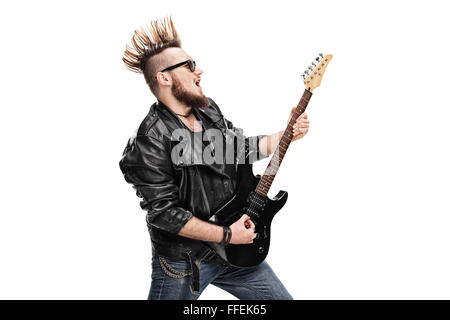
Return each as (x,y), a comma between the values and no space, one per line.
(172,281)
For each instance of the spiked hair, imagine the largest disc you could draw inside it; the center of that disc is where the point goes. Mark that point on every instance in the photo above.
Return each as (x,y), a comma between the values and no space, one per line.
(148,42)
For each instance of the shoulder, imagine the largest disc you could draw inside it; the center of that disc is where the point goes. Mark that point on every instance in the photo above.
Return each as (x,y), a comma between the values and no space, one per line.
(156,124)
(149,122)
(147,131)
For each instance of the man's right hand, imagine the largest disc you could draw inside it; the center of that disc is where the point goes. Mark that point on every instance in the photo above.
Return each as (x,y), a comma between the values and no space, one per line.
(243,231)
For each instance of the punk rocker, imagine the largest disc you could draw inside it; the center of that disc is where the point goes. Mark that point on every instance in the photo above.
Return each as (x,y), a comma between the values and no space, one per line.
(180,187)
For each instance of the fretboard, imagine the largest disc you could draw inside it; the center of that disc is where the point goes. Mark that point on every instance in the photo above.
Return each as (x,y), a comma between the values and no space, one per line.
(266,180)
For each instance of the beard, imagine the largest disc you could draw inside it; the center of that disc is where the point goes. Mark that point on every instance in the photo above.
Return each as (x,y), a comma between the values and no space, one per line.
(189,99)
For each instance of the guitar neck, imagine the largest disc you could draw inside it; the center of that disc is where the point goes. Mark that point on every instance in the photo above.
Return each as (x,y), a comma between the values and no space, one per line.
(272,168)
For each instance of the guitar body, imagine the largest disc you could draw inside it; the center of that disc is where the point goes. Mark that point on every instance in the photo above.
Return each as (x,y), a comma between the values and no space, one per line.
(247,255)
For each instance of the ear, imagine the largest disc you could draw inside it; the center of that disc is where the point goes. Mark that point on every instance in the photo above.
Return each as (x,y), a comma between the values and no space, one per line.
(163,79)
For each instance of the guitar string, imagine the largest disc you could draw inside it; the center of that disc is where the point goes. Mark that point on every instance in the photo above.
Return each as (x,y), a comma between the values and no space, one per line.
(302,109)
(290,127)
(253,206)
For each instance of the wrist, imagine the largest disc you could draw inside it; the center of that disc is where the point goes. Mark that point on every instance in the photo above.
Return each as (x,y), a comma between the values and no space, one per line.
(227,234)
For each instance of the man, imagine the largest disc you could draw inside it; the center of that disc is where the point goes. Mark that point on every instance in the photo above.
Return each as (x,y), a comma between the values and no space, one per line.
(180,196)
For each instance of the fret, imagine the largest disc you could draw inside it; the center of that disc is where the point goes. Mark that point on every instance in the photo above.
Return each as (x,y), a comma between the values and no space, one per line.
(272,168)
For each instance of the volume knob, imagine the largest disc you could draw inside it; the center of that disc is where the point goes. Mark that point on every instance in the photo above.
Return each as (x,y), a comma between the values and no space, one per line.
(260,249)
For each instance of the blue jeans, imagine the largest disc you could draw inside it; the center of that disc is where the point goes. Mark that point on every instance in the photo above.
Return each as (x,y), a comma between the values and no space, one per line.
(172,281)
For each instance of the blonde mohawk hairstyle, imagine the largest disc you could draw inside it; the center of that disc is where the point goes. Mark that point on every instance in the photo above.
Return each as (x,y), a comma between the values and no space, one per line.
(149,41)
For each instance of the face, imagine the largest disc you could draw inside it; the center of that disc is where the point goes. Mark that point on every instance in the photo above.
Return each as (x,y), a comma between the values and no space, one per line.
(185,83)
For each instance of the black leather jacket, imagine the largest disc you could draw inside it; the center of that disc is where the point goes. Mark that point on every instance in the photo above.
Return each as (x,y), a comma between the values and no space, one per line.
(174,192)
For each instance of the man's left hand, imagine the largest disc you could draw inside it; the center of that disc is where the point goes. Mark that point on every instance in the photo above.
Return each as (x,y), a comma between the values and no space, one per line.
(301,126)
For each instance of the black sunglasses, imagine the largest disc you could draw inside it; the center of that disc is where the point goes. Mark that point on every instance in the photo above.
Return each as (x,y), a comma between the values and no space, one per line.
(191,64)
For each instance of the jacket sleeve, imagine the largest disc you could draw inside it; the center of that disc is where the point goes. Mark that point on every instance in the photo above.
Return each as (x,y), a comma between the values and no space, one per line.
(146,164)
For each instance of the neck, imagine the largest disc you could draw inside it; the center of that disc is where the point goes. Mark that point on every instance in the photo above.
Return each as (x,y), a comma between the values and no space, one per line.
(266,180)
(176,106)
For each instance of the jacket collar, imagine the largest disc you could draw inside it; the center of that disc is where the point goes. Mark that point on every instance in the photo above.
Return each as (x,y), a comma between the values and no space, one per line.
(210,114)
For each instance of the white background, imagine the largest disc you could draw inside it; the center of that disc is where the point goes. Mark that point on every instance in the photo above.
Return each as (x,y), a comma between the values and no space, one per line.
(368,211)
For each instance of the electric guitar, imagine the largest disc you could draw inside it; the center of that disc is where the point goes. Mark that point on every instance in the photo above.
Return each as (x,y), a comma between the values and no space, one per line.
(251,195)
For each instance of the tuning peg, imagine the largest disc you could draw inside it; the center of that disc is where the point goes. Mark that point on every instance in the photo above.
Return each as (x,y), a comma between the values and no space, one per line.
(310,68)
(303,76)
(306,72)
(313,63)
(317,59)
(321,55)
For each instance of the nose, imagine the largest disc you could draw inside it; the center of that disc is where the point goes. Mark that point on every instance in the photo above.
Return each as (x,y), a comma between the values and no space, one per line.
(198,70)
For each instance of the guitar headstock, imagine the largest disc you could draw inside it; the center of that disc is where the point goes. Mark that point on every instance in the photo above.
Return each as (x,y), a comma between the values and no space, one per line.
(313,75)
